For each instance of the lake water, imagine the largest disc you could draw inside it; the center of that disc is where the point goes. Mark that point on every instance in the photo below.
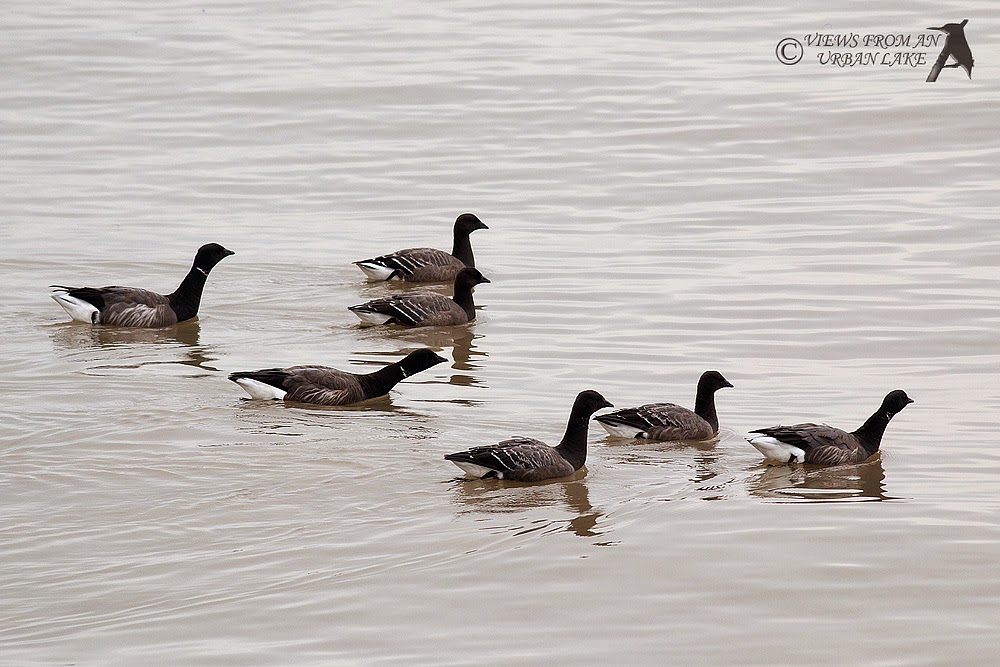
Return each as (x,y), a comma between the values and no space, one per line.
(663,197)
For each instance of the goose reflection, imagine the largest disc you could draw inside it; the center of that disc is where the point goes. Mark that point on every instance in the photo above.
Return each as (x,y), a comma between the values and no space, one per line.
(495,497)
(466,355)
(860,482)
(186,337)
(369,290)
(297,419)
(462,350)
(578,499)
(706,476)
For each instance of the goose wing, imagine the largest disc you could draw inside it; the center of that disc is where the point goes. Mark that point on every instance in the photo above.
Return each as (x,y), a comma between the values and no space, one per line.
(416,309)
(134,307)
(837,454)
(323,385)
(659,421)
(519,458)
(427,264)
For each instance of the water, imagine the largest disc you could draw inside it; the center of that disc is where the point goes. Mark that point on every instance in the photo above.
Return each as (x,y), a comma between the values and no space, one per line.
(663,198)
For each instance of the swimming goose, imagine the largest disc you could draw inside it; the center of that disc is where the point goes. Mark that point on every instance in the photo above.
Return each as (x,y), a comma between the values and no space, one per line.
(328,386)
(422,309)
(134,307)
(427,265)
(667,421)
(819,443)
(529,460)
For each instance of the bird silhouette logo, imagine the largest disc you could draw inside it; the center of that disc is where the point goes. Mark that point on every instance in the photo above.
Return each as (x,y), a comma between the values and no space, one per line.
(956,47)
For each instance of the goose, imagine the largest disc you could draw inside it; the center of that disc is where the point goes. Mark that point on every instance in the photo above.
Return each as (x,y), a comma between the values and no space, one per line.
(421,309)
(667,421)
(427,265)
(819,443)
(322,385)
(529,460)
(134,307)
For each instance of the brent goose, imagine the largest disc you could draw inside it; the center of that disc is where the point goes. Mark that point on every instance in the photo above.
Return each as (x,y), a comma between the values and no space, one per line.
(422,309)
(328,386)
(667,421)
(819,443)
(427,265)
(529,460)
(134,307)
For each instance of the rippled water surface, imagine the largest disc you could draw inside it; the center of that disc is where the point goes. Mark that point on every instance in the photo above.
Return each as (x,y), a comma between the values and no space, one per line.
(663,197)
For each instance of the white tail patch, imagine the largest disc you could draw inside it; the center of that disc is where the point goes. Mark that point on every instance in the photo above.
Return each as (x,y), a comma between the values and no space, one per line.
(473,470)
(622,431)
(369,317)
(375,271)
(78,309)
(260,390)
(775,451)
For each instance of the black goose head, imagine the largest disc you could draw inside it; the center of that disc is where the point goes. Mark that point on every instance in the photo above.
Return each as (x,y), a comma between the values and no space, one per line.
(894,401)
(468,223)
(209,255)
(712,381)
(468,278)
(420,360)
(588,402)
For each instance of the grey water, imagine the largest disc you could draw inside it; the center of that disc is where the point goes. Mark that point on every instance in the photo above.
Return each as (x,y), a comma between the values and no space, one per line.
(664,197)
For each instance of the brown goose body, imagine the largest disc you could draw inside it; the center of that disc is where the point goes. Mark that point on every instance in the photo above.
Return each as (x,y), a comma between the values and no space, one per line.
(422,309)
(322,385)
(126,306)
(526,459)
(669,421)
(427,265)
(135,307)
(828,445)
